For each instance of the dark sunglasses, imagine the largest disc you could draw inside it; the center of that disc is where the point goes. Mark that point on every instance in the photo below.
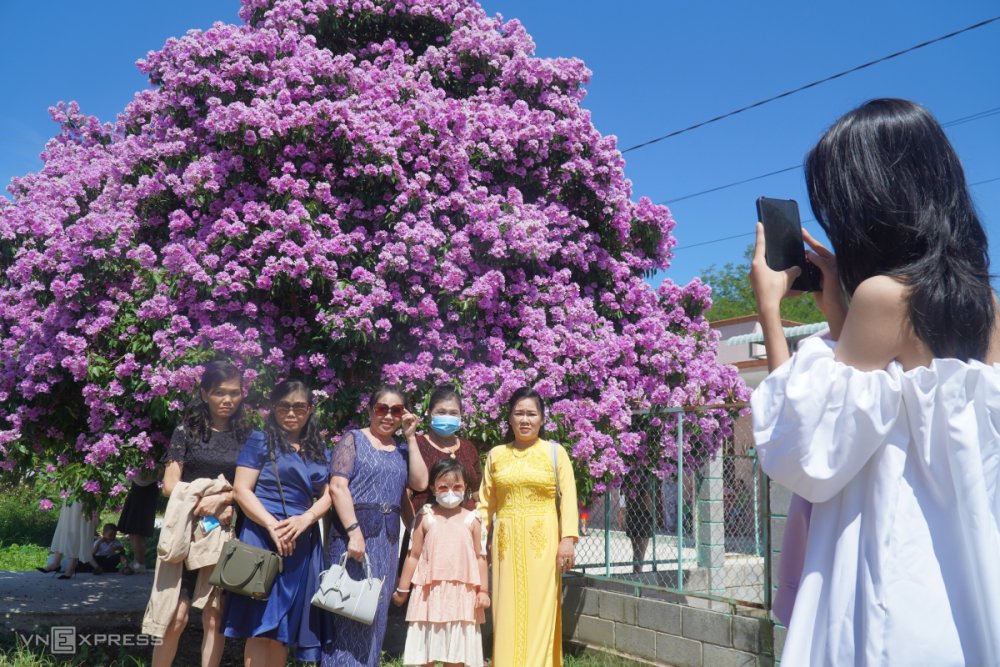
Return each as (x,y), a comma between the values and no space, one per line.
(284,408)
(381,410)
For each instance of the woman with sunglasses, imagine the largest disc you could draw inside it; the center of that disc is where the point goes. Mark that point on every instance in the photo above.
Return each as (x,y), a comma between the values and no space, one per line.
(368,477)
(281,481)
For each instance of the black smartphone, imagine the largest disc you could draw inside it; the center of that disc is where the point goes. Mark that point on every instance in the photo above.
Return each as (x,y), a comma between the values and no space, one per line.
(783,245)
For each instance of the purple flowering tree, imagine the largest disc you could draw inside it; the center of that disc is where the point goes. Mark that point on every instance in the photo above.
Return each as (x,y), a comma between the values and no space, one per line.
(352,191)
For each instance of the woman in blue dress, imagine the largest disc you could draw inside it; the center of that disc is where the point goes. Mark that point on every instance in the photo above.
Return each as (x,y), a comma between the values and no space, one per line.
(368,476)
(287,525)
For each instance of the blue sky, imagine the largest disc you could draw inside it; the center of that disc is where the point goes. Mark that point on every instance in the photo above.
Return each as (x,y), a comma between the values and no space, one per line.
(657,67)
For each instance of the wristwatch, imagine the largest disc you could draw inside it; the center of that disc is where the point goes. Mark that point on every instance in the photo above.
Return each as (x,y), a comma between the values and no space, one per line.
(351,527)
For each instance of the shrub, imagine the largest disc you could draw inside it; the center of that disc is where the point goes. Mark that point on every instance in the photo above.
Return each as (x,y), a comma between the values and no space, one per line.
(352,191)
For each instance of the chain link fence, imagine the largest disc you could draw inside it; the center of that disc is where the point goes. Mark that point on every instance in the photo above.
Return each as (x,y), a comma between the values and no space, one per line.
(702,532)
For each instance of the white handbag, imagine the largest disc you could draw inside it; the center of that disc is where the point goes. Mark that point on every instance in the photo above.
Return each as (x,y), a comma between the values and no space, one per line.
(356,599)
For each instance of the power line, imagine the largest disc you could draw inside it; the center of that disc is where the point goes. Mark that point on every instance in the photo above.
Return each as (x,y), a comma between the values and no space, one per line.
(811,85)
(754,233)
(958,121)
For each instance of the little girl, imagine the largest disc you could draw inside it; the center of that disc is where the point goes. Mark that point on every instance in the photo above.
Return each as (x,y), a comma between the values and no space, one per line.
(446,567)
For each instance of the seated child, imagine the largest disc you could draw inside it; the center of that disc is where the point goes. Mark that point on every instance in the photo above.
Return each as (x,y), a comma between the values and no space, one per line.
(108,551)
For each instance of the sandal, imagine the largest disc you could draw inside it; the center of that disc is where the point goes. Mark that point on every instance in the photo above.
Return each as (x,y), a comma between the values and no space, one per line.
(127,570)
(65,576)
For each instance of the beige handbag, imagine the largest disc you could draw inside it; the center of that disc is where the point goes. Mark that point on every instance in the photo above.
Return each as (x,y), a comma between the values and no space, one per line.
(356,599)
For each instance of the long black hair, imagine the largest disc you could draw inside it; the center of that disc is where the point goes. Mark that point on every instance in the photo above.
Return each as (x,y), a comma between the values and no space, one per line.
(311,445)
(197,419)
(522,393)
(888,189)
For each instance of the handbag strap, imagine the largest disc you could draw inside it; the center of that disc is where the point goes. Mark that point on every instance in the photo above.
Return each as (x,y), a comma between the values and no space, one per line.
(277,478)
(555,472)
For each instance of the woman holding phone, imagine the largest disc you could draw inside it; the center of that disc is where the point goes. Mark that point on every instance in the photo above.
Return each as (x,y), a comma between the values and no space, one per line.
(890,423)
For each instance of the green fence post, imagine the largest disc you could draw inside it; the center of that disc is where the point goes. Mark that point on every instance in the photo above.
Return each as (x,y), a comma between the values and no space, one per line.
(607,533)
(756,504)
(680,500)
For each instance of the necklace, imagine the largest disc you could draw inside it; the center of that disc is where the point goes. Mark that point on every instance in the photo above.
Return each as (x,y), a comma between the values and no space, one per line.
(450,450)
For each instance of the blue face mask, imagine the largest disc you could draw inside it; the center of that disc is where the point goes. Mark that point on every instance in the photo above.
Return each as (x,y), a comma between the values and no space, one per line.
(445,424)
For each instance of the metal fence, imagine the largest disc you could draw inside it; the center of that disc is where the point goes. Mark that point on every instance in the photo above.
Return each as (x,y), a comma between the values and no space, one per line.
(703,532)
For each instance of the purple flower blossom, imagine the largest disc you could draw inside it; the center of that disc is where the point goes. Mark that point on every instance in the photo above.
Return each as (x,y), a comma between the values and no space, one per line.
(392,200)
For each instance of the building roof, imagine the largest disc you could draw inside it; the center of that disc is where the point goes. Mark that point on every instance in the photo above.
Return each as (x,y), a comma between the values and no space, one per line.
(790,332)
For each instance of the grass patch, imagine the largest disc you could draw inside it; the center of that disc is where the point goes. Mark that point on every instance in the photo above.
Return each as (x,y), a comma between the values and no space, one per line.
(22,557)
(21,522)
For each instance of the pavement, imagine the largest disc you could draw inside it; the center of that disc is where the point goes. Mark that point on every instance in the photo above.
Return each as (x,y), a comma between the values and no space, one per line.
(31,600)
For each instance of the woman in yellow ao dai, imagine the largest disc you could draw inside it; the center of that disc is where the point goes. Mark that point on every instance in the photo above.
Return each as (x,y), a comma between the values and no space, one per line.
(533,544)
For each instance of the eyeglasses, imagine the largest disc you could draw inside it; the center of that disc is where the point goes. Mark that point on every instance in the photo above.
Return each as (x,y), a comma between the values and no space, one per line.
(381,410)
(293,408)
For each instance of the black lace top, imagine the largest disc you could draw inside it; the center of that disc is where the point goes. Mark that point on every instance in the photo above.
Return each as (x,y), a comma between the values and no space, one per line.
(204,459)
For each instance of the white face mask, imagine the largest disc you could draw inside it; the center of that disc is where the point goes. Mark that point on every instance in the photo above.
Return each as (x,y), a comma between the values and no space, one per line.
(448,499)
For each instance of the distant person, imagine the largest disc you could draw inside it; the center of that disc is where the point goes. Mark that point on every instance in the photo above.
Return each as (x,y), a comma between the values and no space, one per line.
(74,539)
(108,553)
(888,423)
(445,576)
(639,522)
(138,517)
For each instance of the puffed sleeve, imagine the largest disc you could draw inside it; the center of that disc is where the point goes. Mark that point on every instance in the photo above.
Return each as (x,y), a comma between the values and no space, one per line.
(817,421)
(342,461)
(254,452)
(569,511)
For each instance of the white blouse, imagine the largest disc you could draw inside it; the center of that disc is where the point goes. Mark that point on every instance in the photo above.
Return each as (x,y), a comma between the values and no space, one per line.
(902,563)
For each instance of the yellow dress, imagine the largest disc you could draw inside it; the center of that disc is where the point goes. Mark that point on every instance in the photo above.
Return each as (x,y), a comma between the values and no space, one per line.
(518,499)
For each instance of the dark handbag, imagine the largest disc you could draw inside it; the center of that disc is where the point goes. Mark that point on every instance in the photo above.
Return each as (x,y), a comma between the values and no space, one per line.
(248,570)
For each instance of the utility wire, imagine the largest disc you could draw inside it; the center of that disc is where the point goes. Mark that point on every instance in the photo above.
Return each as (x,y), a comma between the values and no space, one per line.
(811,85)
(958,121)
(754,233)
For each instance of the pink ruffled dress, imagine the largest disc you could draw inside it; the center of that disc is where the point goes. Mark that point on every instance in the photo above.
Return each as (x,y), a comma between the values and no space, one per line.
(442,615)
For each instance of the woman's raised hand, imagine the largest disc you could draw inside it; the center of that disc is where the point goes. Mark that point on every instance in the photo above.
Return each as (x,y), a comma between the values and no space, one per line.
(830,300)
(769,286)
(409,424)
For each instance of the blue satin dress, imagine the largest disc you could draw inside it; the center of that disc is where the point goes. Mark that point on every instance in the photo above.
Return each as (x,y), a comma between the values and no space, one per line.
(287,615)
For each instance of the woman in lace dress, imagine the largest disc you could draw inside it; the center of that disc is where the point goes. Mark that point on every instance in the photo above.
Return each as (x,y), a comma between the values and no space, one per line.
(205,444)
(370,471)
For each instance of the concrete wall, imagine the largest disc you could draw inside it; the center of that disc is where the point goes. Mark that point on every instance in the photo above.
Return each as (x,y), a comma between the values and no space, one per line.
(779,499)
(663,628)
